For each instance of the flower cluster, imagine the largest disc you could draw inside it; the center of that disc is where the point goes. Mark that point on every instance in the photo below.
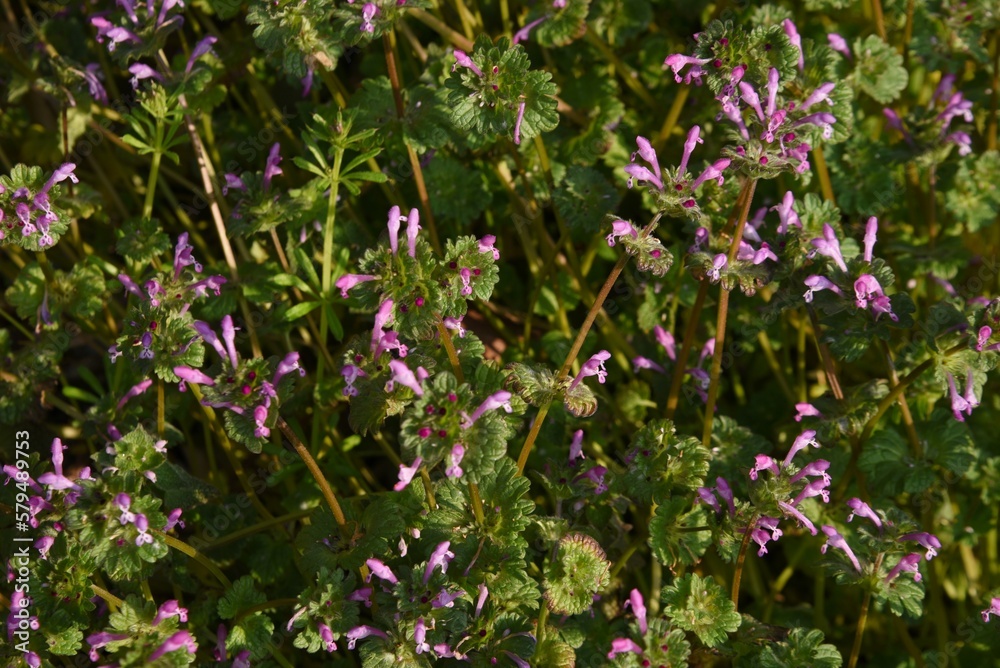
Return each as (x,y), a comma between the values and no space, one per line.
(141,23)
(29,214)
(257,209)
(240,385)
(929,128)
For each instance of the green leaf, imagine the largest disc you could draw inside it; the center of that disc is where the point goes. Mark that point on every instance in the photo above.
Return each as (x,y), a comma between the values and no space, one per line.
(702,607)
(583,198)
(974,199)
(879,70)
(300,310)
(803,647)
(578,570)
(671,537)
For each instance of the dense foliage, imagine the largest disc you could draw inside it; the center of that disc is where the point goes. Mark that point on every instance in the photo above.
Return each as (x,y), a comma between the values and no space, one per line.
(549,333)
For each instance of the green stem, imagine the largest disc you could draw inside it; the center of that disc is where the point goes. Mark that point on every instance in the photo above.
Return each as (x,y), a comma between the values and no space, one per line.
(317,474)
(738,573)
(160,409)
(449,347)
(536,426)
(911,429)
(860,632)
(154,172)
(113,601)
(720,328)
(183,547)
(825,186)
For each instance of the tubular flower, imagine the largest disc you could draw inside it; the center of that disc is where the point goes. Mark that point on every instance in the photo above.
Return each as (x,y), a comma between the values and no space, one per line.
(363,631)
(666,339)
(576,447)
(862,509)
(834,539)
(764,463)
(806,410)
(994,609)
(678,62)
(926,540)
(829,246)
(441,556)
(960,404)
(622,645)
(789,509)
(593,367)
(639,608)
(406,474)
(817,283)
(795,39)
(462,59)
(816,487)
(786,213)
(816,468)
(838,43)
(871,232)
(640,362)
(802,441)
(621,228)
(381,571)
(499,399)
(706,496)
(719,263)
(910,562)
(401,374)
(724,491)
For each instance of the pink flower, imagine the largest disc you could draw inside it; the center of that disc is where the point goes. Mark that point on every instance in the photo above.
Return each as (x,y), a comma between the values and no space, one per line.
(719,263)
(797,514)
(817,283)
(926,540)
(179,640)
(441,556)
(406,474)
(576,447)
(677,62)
(368,13)
(795,39)
(622,645)
(621,228)
(910,562)
(666,339)
(862,509)
(412,227)
(401,374)
(271,168)
(693,139)
(462,59)
(593,367)
(817,487)
(871,230)
(829,246)
(764,463)
(802,441)
(639,608)
(994,609)
(821,94)
(394,222)
(713,171)
(363,631)
(806,410)
(348,281)
(454,470)
(381,571)
(838,43)
(496,400)
(834,539)
(640,362)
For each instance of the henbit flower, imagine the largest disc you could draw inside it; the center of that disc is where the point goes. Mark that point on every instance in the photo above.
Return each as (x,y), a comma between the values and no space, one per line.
(517,123)
(481,600)
(99,640)
(829,246)
(486,246)
(233,181)
(364,594)
(622,645)
(56,480)
(406,474)
(380,570)
(621,228)
(666,339)
(395,216)
(363,631)
(200,49)
(770,524)
(169,609)
(646,151)
(764,463)
(174,519)
(817,283)
(816,468)
(382,318)
(455,324)
(271,168)
(420,636)
(817,487)
(806,410)
(142,524)
(862,509)
(135,391)
(525,32)
(454,470)
(326,635)
(910,562)
(871,232)
(821,94)
(401,374)
(749,95)
(445,599)
(821,119)
(261,429)
(179,640)
(723,490)
(894,121)
(348,281)
(983,337)
(713,171)
(700,237)
(760,537)
(719,263)
(795,39)
(596,476)
(412,228)
(462,58)
(838,43)
(994,609)
(802,441)
(642,174)
(693,139)
(834,539)
(960,139)
(368,12)
(761,255)
(576,447)
(43,545)
(789,509)
(960,404)
(189,375)
(957,106)
(706,496)
(640,362)
(881,304)
(441,556)
(123,501)
(593,367)
(926,540)
(496,400)
(142,71)
(677,62)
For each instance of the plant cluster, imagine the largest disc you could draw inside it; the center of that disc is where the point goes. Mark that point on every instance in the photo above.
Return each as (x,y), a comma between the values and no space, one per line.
(556,333)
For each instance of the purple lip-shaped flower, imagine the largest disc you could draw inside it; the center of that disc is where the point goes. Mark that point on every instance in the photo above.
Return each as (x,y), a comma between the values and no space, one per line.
(462,59)
(639,608)
(817,487)
(576,447)
(346,282)
(706,496)
(797,514)
(802,441)
(764,463)
(871,232)
(666,339)
(723,490)
(169,609)
(749,95)
(621,228)
(838,43)
(713,171)
(395,218)
(622,645)
(983,337)
(719,263)
(926,540)
(806,410)
(200,49)
(271,168)
(179,640)
(642,174)
(382,318)
(815,284)
(693,139)
(368,13)
(821,94)
(454,470)
(593,367)
(910,562)
(412,228)
(380,570)
(994,609)
(363,631)
(640,362)
(862,509)
(499,399)
(834,539)
(678,61)
(524,33)
(829,246)
(481,600)
(406,474)
(441,556)
(401,374)
(795,39)
(960,404)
